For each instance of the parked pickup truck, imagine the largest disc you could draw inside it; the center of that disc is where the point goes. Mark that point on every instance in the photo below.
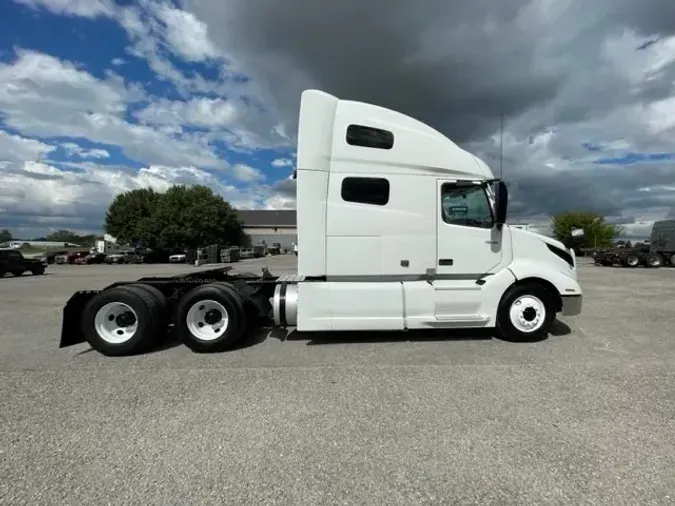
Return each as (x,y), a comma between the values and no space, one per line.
(11,260)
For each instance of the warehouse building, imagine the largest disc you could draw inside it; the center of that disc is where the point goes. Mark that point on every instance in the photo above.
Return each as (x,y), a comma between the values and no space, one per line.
(270,227)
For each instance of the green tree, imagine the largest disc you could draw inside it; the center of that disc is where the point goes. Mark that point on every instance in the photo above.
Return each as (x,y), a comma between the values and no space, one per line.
(597,232)
(182,217)
(5,235)
(65,235)
(130,214)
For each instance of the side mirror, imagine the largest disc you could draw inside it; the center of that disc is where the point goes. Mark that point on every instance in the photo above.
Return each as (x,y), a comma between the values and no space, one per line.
(501,203)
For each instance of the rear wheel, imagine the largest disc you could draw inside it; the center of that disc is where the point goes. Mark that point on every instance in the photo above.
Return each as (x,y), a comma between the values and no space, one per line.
(17,273)
(211,318)
(121,321)
(631,261)
(654,260)
(525,313)
(672,262)
(160,308)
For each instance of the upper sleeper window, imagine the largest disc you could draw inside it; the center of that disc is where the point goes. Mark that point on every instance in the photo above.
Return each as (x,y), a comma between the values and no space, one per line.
(366,190)
(369,137)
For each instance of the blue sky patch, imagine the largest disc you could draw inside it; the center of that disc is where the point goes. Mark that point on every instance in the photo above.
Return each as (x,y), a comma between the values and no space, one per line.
(630,158)
(93,101)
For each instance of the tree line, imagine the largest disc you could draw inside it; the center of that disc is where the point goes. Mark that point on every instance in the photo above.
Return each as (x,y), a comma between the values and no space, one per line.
(186,217)
(55,236)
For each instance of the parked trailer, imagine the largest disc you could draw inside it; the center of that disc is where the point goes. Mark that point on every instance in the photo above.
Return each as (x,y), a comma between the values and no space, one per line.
(404,230)
(660,250)
(662,241)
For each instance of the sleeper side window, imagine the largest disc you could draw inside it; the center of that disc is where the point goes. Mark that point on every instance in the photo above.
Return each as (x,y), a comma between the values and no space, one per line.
(466,205)
(365,190)
(369,137)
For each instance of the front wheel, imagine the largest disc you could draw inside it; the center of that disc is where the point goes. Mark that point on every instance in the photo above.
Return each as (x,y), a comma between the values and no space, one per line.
(526,313)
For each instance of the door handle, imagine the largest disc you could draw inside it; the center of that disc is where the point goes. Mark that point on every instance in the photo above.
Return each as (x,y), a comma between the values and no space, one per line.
(445,261)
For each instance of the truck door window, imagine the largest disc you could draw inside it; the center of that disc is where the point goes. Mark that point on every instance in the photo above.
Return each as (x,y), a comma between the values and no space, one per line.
(466,205)
(365,190)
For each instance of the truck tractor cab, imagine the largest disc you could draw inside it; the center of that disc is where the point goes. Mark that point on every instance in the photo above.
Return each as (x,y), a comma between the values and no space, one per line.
(401,229)
(408,231)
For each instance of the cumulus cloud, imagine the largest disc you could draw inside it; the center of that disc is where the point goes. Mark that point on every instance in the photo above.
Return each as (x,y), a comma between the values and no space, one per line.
(83,8)
(186,35)
(586,90)
(33,193)
(562,73)
(73,149)
(247,174)
(282,162)
(43,96)
(14,148)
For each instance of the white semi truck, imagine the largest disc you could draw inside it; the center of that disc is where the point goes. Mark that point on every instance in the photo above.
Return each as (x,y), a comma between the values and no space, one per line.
(401,229)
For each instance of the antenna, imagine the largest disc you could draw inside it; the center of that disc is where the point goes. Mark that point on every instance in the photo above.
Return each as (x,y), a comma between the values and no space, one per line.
(501,141)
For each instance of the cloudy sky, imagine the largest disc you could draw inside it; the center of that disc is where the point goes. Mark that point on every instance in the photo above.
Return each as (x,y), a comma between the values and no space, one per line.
(103,96)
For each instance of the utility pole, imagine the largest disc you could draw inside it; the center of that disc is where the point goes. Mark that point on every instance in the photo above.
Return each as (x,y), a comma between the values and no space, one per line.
(501,140)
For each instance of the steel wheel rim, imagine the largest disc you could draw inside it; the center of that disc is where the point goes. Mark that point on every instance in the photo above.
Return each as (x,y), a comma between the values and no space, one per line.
(207,320)
(113,323)
(527,313)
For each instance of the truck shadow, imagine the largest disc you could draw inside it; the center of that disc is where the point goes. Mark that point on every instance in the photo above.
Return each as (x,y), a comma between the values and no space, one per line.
(258,336)
(433,335)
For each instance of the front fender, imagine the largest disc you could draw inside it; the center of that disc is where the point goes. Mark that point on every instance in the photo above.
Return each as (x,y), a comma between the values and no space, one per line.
(566,285)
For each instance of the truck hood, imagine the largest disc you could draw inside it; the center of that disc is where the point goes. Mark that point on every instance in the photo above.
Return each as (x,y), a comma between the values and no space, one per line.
(519,232)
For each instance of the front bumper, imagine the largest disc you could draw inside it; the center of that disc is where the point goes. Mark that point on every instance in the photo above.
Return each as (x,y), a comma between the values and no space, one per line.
(571,304)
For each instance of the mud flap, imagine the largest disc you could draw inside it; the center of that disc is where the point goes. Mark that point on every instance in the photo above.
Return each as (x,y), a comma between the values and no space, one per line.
(71,332)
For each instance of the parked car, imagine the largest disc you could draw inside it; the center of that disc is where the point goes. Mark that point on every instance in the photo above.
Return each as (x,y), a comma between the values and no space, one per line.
(12,260)
(91,258)
(49,256)
(177,258)
(69,257)
(125,257)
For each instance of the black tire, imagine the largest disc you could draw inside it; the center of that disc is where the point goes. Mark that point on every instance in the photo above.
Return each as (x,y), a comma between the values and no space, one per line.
(225,295)
(17,273)
(631,261)
(653,261)
(146,309)
(38,270)
(155,293)
(672,262)
(505,326)
(160,308)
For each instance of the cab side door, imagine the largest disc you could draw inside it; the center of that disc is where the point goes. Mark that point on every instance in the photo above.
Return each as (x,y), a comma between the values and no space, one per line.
(468,248)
